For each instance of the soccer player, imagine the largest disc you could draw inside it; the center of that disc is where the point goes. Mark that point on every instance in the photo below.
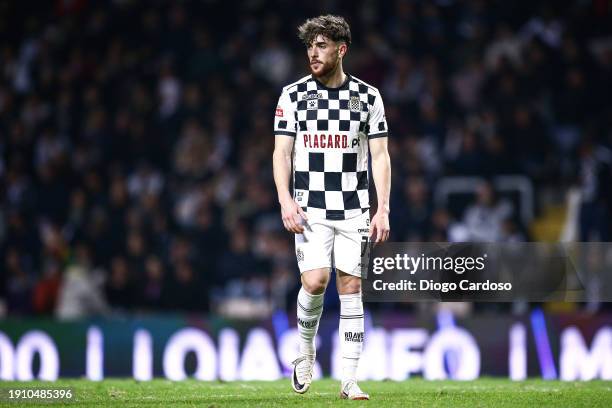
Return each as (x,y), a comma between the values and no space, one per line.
(325,125)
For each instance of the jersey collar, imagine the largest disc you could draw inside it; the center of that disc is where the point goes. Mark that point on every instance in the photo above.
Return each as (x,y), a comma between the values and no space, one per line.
(345,84)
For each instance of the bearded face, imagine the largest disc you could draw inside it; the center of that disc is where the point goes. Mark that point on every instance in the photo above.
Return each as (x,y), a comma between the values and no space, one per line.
(323,56)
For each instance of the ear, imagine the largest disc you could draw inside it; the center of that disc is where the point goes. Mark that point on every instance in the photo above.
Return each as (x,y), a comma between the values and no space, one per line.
(342,48)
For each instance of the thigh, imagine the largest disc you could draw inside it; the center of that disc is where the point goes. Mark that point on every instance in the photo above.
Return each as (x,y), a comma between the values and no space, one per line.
(313,248)
(350,243)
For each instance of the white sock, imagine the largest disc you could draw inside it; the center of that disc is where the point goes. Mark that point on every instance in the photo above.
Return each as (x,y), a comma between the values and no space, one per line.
(351,334)
(309,309)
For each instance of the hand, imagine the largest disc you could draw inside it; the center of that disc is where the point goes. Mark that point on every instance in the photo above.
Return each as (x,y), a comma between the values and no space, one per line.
(379,227)
(292,215)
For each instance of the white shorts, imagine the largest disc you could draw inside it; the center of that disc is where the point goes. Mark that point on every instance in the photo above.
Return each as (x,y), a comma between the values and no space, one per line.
(340,243)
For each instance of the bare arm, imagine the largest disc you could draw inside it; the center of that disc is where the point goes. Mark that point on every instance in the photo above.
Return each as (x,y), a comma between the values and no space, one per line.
(281,161)
(381,172)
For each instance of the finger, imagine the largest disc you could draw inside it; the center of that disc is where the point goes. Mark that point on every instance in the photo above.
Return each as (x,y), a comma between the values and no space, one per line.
(285,222)
(298,223)
(379,234)
(291,227)
(385,235)
(372,231)
(294,227)
(302,213)
(299,228)
(289,224)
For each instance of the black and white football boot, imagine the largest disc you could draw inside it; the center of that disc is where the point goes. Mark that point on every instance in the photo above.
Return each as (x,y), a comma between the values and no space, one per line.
(302,373)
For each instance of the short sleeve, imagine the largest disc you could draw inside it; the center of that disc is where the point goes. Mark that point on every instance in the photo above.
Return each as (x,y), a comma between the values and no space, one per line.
(377,123)
(284,117)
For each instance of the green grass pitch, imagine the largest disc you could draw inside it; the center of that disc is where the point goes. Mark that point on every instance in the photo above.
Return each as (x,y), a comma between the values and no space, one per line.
(486,392)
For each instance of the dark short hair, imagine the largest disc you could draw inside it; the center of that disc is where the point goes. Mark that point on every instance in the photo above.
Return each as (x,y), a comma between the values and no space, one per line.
(333,27)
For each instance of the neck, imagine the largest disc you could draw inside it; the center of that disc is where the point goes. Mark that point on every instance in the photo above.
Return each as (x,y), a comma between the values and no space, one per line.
(334,78)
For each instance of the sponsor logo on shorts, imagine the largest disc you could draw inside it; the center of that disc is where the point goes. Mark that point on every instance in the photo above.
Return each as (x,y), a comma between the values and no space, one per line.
(299,254)
(356,337)
(309,324)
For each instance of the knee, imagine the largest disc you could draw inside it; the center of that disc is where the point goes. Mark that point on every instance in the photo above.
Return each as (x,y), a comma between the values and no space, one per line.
(315,284)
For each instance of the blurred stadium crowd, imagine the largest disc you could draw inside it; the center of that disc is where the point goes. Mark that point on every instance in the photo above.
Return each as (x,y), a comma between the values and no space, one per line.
(136,138)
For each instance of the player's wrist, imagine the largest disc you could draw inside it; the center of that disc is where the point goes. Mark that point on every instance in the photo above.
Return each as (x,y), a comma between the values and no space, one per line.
(284,197)
(383,209)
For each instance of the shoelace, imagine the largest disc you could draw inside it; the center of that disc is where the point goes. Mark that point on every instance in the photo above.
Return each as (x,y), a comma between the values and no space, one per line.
(303,371)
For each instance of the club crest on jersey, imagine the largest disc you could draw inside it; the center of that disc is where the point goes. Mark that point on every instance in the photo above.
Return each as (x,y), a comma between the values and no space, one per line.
(355,104)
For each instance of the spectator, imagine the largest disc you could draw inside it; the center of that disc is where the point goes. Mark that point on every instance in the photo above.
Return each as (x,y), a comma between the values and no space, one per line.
(81,292)
(152,290)
(19,285)
(119,288)
(185,289)
(485,218)
(47,289)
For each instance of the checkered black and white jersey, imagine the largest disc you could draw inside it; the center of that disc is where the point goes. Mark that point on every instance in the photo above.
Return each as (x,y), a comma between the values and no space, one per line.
(331,127)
